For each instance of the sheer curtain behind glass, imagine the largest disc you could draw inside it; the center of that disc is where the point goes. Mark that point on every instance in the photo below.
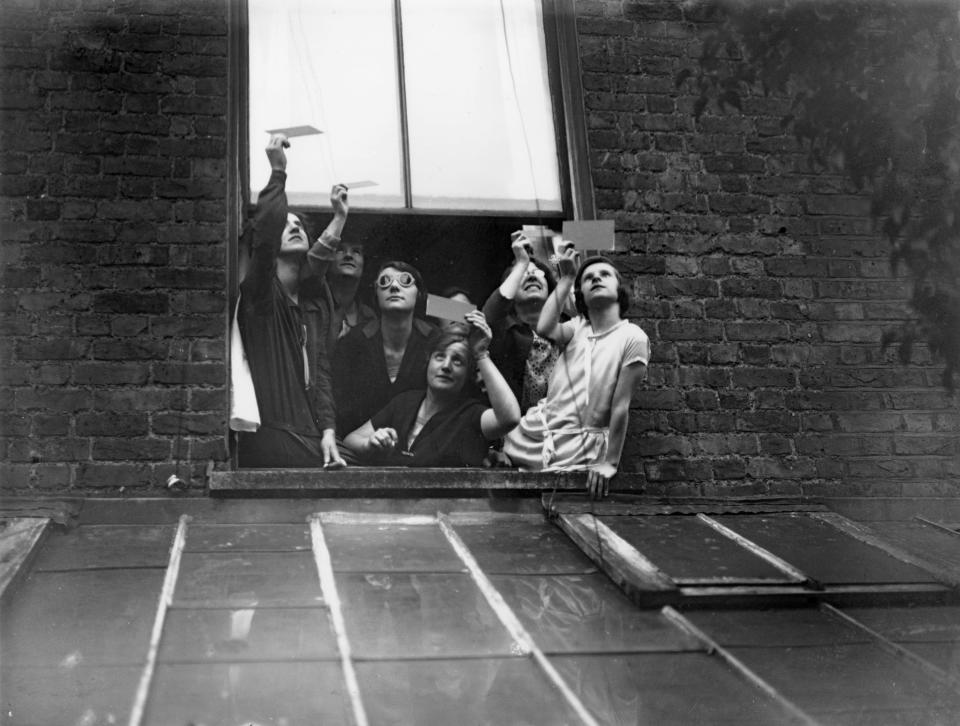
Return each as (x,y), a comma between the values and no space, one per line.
(480,121)
(478,102)
(331,65)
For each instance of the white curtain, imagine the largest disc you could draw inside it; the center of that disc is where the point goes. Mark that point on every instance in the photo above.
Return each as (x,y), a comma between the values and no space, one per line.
(479,111)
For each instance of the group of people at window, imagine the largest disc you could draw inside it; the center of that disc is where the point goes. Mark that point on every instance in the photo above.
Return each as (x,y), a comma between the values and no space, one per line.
(525,381)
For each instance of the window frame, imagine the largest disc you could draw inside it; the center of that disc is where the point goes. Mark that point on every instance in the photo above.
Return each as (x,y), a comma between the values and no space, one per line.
(566,92)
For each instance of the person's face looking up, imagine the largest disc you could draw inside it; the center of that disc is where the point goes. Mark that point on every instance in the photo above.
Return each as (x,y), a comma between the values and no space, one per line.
(447,368)
(600,282)
(396,290)
(294,236)
(349,261)
(533,286)
(457,326)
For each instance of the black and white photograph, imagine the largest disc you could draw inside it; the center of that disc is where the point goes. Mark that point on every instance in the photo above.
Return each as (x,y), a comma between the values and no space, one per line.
(479,362)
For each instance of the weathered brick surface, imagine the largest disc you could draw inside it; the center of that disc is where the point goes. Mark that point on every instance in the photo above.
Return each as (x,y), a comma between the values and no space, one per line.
(764,288)
(774,289)
(114,243)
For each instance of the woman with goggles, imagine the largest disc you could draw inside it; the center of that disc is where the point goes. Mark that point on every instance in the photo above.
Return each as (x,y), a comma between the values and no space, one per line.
(441,426)
(387,356)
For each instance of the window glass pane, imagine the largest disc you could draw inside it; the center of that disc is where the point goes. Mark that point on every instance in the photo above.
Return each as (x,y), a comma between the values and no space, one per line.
(330,64)
(478,103)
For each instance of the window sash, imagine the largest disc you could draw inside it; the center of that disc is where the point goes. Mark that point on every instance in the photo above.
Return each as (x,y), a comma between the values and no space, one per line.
(392,194)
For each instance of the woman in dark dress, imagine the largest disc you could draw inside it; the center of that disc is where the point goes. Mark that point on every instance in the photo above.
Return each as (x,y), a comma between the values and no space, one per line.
(440,426)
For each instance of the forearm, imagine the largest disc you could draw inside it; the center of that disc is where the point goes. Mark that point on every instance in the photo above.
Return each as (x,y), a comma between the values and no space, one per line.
(549,323)
(267,226)
(503,402)
(359,440)
(508,288)
(323,252)
(630,376)
(325,411)
(496,307)
(617,434)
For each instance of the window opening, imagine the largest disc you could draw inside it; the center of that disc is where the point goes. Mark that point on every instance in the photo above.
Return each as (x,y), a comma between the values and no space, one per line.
(446,106)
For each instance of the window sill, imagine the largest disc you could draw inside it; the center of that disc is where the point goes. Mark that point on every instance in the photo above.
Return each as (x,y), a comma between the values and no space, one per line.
(367,480)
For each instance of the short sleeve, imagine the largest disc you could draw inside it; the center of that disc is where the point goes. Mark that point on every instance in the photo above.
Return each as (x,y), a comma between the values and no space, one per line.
(570,328)
(636,346)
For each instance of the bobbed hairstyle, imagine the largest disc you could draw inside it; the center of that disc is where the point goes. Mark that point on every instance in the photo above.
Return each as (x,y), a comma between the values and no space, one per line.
(623,299)
(444,340)
(420,306)
(303,221)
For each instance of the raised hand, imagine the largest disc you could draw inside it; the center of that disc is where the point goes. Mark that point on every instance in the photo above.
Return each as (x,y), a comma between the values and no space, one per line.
(276,153)
(521,247)
(480,333)
(568,260)
(338,200)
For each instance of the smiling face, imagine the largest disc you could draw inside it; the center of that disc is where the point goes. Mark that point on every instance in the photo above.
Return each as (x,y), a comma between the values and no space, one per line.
(392,294)
(599,284)
(447,368)
(533,286)
(348,261)
(293,239)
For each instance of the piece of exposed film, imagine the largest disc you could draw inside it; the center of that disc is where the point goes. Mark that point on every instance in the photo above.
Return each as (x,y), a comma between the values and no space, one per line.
(294,131)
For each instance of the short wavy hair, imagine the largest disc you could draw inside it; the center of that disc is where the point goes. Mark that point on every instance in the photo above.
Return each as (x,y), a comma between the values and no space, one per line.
(444,340)
(623,298)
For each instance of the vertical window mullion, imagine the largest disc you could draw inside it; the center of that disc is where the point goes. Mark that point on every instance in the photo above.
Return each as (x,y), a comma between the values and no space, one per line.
(402,95)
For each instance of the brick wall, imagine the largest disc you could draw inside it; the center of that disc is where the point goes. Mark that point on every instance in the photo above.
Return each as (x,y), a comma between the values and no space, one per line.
(114,205)
(763,287)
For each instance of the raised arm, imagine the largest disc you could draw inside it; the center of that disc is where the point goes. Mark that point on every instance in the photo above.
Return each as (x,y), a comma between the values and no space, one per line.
(323,251)
(600,474)
(504,411)
(548,326)
(269,220)
(498,304)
